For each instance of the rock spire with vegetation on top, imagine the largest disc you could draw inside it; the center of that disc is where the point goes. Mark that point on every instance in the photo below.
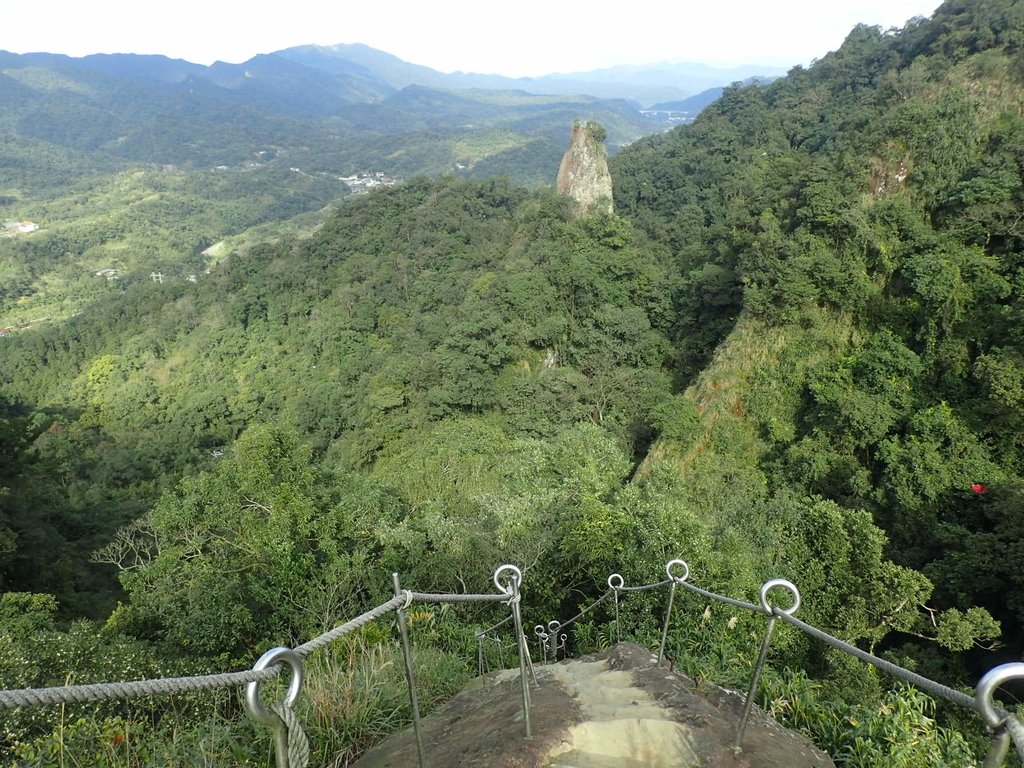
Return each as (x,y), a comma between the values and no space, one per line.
(583,174)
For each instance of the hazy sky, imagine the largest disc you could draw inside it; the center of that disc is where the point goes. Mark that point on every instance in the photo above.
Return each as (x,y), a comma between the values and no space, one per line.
(513,37)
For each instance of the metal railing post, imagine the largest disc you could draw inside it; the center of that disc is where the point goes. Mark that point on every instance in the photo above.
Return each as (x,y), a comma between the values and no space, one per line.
(553,627)
(529,664)
(615,583)
(759,665)
(403,631)
(512,590)
(542,644)
(671,597)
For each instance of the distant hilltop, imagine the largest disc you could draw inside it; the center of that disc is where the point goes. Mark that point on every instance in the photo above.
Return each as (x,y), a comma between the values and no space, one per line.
(360,73)
(645,84)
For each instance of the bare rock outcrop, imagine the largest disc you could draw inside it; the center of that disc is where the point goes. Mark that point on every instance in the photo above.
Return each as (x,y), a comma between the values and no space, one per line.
(583,174)
(614,709)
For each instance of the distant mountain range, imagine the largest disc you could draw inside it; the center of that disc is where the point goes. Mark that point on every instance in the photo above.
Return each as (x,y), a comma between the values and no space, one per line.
(645,84)
(356,73)
(692,105)
(333,110)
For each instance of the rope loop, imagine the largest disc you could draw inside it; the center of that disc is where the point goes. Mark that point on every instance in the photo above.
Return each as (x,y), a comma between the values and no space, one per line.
(298,744)
(770,585)
(253,705)
(987,686)
(686,570)
(510,572)
(615,577)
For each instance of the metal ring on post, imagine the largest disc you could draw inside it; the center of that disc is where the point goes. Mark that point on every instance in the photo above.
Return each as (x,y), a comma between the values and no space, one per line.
(253,705)
(769,585)
(554,626)
(987,686)
(620,585)
(538,630)
(559,645)
(686,570)
(514,573)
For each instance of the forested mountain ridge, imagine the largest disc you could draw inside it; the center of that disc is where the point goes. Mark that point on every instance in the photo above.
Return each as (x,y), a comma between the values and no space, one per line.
(868,250)
(810,301)
(137,165)
(152,109)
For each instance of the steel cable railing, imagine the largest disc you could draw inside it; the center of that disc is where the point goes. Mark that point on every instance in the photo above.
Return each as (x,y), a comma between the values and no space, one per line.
(1005,728)
(291,748)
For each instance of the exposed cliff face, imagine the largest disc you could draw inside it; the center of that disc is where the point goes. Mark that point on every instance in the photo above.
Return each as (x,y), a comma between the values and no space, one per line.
(583,174)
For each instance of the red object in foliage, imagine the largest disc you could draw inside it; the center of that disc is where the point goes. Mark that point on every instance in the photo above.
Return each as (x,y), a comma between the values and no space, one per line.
(979,488)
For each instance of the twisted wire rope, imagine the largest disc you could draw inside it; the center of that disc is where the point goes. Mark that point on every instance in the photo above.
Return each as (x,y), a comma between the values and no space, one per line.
(298,743)
(426,597)
(587,610)
(924,683)
(349,626)
(645,587)
(499,625)
(130,689)
(1012,725)
(721,598)
(1016,731)
(80,694)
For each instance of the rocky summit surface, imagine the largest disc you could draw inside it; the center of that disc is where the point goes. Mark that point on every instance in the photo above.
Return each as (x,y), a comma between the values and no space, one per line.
(617,709)
(583,174)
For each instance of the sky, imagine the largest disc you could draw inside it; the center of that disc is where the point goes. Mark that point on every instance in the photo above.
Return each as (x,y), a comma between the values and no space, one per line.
(516,38)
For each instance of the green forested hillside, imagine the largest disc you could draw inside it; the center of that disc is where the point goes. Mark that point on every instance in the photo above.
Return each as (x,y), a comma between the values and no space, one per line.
(120,109)
(796,351)
(140,163)
(868,229)
(438,300)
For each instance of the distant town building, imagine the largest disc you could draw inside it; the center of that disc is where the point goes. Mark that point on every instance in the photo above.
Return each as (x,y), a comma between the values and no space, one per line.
(363,182)
(668,117)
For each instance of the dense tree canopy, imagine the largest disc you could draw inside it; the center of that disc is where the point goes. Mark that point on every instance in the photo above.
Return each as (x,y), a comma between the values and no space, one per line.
(797,350)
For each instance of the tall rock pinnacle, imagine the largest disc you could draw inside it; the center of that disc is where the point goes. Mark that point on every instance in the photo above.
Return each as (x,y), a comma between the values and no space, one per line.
(583,174)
